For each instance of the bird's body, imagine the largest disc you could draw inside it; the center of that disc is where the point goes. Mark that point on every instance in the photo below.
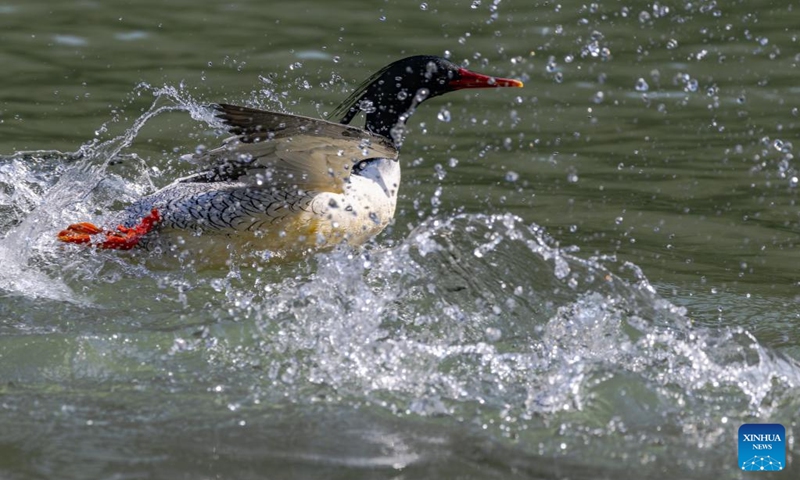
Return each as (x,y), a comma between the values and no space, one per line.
(312,184)
(291,184)
(284,221)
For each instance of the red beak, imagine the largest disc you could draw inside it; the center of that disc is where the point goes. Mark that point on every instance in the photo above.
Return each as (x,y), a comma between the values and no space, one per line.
(477,80)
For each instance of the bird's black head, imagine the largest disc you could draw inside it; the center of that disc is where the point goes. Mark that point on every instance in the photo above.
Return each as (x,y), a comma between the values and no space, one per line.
(389,96)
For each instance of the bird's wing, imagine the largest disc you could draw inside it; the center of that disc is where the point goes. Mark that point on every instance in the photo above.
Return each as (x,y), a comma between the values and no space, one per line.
(277,150)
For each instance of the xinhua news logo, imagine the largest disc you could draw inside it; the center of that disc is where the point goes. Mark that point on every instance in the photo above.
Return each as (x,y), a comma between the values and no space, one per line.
(762,447)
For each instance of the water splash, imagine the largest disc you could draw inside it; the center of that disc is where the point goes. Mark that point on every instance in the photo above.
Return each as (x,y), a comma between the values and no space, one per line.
(483,317)
(42,191)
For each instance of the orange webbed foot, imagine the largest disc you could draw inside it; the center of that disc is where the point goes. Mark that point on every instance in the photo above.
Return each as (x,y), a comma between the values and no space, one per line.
(123,238)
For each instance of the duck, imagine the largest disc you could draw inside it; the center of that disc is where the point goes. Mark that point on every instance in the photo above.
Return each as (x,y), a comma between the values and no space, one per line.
(289,183)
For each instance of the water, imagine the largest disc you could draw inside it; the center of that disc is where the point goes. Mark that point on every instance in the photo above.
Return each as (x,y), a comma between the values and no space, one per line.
(586,278)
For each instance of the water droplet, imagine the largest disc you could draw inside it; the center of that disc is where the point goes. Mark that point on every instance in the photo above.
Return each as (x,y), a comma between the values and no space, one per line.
(598,97)
(512,176)
(444,115)
(644,17)
(641,85)
(691,85)
(618,220)
(493,334)
(336,59)
(439,171)
(218,284)
(672,44)
(366,106)
(475,4)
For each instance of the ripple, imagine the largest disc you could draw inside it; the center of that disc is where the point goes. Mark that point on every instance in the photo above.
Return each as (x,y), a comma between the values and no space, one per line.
(132,35)
(70,40)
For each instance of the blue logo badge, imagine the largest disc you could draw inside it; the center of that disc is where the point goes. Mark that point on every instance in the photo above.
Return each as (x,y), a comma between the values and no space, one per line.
(762,447)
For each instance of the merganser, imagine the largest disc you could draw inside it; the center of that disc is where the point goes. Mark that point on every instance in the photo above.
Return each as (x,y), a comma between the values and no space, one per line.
(293,184)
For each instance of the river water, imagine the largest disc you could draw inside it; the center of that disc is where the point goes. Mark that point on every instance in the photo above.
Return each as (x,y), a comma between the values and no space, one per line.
(593,277)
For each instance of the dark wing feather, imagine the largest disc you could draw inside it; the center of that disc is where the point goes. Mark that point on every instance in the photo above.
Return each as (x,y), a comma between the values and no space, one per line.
(278,150)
